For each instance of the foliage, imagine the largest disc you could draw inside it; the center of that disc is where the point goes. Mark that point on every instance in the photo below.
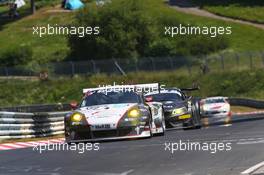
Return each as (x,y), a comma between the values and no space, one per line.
(133,29)
(17,56)
(54,48)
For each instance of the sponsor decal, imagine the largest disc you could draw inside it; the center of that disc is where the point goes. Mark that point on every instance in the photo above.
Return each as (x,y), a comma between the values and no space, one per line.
(103,126)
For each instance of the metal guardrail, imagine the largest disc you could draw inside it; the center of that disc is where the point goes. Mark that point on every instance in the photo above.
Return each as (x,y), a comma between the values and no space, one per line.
(15,125)
(38,108)
(258,104)
(234,118)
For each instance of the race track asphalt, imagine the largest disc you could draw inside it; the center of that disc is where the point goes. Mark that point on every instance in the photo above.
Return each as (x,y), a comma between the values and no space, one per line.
(148,156)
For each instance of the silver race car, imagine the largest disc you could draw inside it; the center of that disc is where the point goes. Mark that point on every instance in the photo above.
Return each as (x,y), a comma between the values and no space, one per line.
(215,107)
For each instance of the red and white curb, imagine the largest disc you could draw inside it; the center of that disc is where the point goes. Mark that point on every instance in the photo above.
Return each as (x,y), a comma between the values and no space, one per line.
(249,113)
(19,145)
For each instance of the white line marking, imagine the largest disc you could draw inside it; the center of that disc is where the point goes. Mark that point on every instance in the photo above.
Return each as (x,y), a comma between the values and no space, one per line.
(250,142)
(127,172)
(254,168)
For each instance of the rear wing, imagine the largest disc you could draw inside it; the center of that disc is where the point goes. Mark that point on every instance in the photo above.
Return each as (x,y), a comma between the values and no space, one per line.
(190,89)
(141,88)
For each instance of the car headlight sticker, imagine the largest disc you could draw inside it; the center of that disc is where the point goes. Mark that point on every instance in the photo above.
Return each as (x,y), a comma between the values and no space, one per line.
(134,113)
(77,117)
(179,111)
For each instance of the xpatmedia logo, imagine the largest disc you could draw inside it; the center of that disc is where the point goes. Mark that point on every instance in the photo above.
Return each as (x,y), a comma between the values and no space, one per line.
(65,30)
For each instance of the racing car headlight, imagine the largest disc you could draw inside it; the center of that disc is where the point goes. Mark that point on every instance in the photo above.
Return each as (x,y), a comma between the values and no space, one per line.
(179,111)
(205,108)
(132,118)
(76,117)
(133,113)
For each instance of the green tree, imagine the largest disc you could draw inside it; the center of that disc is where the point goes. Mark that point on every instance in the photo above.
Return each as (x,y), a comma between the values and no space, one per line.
(33,6)
(126,30)
(134,29)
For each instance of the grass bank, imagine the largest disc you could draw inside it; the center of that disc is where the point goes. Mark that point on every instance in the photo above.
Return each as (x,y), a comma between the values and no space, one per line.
(236,84)
(249,10)
(17,35)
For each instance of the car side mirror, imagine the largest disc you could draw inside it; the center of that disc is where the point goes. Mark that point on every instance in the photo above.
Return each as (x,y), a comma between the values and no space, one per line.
(74,105)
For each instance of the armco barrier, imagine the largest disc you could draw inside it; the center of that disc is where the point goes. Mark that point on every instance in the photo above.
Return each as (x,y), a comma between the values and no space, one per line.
(66,107)
(259,104)
(38,108)
(15,125)
(234,118)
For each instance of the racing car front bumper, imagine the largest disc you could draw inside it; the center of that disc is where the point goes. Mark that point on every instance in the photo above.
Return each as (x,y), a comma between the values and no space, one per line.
(85,133)
(169,117)
(215,113)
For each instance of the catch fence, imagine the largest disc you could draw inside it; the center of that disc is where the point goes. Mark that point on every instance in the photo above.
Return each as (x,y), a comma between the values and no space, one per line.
(184,65)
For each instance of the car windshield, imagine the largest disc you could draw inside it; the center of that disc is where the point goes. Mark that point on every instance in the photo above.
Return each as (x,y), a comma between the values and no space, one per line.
(164,97)
(217,100)
(110,98)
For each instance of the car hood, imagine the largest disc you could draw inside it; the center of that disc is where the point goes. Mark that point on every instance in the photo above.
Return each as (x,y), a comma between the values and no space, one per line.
(170,105)
(106,114)
(215,106)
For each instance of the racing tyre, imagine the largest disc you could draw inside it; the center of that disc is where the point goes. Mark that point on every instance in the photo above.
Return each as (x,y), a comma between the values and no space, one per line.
(150,125)
(197,124)
(163,125)
(69,138)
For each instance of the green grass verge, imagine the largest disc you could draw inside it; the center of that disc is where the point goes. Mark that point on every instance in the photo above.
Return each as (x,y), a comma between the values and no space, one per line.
(45,49)
(243,37)
(237,109)
(17,34)
(236,84)
(250,10)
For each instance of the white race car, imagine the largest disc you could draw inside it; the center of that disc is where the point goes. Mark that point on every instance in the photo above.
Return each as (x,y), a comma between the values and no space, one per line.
(215,107)
(112,113)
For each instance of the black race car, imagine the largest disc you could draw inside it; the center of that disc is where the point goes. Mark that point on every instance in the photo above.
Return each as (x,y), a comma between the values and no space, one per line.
(179,109)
